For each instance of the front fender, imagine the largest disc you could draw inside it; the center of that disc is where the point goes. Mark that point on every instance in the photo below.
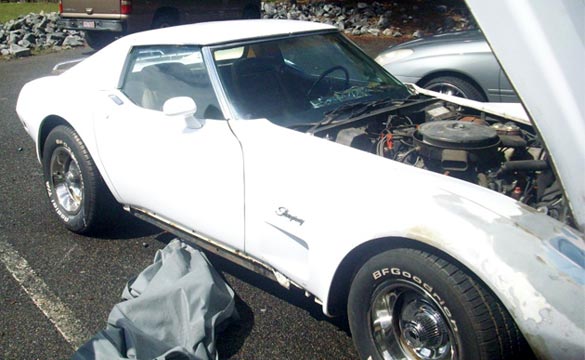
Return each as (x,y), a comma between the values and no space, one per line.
(531,262)
(338,198)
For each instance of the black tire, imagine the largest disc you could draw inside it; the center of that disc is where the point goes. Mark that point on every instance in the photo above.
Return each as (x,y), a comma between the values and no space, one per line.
(426,306)
(99,39)
(77,192)
(251,12)
(165,20)
(457,86)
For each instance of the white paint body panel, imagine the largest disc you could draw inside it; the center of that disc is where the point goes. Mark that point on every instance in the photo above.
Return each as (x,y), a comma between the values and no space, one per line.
(193,177)
(347,198)
(230,179)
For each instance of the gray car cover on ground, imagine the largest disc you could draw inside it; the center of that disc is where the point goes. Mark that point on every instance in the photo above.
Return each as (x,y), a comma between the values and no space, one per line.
(171,311)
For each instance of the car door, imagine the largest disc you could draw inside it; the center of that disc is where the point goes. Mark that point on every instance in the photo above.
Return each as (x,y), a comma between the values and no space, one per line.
(190,177)
(507,93)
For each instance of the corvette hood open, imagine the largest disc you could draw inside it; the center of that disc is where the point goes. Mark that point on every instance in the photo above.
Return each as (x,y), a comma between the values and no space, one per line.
(544,62)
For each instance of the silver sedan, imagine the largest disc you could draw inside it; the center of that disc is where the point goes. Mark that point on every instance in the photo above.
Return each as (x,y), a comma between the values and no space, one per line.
(460,64)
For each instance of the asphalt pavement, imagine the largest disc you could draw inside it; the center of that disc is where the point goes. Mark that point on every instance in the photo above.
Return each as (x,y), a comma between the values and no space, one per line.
(57,288)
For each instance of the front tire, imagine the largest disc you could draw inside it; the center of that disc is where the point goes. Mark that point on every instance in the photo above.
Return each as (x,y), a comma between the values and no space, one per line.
(78,194)
(408,304)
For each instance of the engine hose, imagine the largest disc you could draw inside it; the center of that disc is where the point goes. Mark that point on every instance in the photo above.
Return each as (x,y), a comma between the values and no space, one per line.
(524,165)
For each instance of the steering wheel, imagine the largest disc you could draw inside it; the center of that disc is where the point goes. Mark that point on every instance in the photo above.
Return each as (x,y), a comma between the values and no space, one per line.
(327,72)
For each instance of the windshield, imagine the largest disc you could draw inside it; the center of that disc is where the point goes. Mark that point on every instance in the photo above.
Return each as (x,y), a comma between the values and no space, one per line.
(301,79)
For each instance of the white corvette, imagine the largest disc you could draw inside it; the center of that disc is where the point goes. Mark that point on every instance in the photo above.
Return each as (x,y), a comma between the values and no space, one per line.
(282,146)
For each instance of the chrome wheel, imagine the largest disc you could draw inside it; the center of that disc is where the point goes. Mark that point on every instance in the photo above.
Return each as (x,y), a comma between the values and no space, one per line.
(407,304)
(78,195)
(66,180)
(447,89)
(407,323)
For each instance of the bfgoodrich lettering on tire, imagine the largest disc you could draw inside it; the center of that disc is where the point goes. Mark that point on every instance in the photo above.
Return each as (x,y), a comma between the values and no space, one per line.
(409,304)
(75,188)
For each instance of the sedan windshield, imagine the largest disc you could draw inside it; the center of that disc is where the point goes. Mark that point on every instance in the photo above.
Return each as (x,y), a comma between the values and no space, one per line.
(301,79)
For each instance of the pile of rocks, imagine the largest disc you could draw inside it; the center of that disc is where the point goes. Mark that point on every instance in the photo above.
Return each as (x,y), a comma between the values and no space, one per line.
(400,19)
(36,32)
(396,19)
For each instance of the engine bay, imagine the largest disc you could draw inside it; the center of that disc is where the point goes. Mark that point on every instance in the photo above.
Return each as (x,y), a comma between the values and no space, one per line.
(436,135)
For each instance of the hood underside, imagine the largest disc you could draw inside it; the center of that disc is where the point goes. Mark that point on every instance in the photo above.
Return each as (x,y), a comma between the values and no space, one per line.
(544,62)
(512,111)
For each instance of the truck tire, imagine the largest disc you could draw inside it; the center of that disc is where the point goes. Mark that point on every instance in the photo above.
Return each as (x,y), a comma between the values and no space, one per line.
(406,304)
(164,20)
(99,39)
(78,195)
(251,12)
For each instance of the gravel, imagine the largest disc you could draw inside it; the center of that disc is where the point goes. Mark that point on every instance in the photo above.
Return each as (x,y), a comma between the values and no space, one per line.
(397,21)
(34,33)
(391,19)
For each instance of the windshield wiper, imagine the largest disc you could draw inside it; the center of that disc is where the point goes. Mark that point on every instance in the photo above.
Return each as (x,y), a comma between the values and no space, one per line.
(351,110)
(357,111)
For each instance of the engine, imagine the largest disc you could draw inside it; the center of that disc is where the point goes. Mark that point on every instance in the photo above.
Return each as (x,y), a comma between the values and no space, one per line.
(492,152)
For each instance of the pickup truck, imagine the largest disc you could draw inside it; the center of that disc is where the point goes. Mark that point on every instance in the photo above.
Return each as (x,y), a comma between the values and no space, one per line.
(105,20)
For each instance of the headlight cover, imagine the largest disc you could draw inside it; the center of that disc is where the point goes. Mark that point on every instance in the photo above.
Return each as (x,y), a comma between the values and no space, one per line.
(393,56)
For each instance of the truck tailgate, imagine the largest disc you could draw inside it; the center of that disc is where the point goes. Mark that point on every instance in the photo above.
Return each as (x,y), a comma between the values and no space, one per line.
(109,9)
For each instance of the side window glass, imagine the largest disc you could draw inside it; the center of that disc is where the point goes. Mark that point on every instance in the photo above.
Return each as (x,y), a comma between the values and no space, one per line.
(157,73)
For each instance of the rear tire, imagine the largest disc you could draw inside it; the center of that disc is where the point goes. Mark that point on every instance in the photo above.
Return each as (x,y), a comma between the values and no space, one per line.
(99,39)
(408,304)
(251,12)
(454,86)
(77,192)
(164,20)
